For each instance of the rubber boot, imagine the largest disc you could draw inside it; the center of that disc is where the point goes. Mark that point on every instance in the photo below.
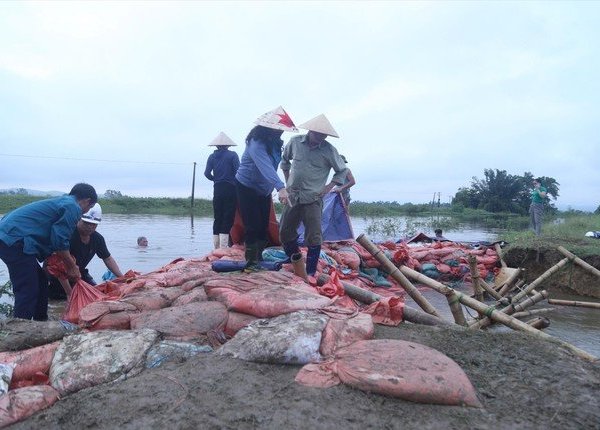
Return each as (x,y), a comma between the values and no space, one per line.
(299,266)
(251,259)
(312,259)
(223,240)
(216,242)
(260,247)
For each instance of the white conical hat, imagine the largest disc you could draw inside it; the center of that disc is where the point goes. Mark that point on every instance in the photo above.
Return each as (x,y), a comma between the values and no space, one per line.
(222,140)
(320,124)
(278,119)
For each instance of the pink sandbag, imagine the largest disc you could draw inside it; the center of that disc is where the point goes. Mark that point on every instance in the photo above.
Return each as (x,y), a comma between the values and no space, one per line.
(343,332)
(266,301)
(28,362)
(90,314)
(21,403)
(114,321)
(195,295)
(237,321)
(185,322)
(152,299)
(395,368)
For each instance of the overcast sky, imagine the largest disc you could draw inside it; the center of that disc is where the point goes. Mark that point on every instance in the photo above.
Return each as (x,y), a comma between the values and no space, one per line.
(423,95)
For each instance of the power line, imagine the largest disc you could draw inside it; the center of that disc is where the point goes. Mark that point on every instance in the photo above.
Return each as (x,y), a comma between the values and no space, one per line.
(93,159)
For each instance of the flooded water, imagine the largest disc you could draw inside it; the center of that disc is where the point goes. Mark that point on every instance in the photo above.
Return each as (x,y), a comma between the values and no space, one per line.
(171,237)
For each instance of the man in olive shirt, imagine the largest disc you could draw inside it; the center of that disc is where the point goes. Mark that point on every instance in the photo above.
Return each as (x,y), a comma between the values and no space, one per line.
(306,162)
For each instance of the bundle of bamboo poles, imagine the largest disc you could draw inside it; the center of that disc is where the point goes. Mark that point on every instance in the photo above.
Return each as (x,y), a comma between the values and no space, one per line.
(517,304)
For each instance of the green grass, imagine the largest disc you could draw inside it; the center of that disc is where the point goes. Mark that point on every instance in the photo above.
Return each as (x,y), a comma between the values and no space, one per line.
(568,232)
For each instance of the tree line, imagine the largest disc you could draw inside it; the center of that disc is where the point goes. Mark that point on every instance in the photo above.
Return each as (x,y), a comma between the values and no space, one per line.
(499,191)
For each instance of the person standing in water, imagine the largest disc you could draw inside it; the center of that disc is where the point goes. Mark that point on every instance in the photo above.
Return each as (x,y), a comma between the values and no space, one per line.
(221,168)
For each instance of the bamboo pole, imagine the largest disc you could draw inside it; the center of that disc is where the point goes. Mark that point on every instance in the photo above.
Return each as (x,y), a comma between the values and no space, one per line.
(456,309)
(512,308)
(579,261)
(499,252)
(593,305)
(365,296)
(389,267)
(496,315)
(475,278)
(541,279)
(539,322)
(532,312)
(508,285)
(493,313)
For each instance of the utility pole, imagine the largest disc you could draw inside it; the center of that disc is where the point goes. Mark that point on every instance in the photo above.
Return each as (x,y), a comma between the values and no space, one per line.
(193,187)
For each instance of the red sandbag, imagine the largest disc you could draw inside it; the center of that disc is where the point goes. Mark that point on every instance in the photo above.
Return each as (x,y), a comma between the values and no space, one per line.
(349,258)
(395,368)
(388,311)
(333,287)
(187,322)
(237,321)
(237,231)
(266,301)
(82,295)
(443,268)
(21,403)
(55,265)
(28,362)
(343,332)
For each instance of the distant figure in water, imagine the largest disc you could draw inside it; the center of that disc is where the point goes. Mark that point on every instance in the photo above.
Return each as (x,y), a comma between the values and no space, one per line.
(438,235)
(142,241)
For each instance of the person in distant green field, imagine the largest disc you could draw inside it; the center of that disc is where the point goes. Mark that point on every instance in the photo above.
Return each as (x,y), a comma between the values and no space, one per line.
(536,209)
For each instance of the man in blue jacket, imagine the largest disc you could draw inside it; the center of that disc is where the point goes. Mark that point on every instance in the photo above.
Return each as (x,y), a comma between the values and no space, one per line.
(30,234)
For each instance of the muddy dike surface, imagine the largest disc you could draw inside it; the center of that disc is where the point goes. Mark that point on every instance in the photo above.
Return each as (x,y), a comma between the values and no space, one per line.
(522,382)
(572,279)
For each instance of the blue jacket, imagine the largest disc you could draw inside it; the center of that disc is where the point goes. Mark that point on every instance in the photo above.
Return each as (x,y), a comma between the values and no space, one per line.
(221,166)
(258,168)
(44,226)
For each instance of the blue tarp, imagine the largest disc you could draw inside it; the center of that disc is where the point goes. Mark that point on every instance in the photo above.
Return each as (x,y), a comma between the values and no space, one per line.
(335,222)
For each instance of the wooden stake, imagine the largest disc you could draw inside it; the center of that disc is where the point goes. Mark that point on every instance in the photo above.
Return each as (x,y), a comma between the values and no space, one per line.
(541,279)
(579,261)
(540,323)
(512,308)
(593,305)
(532,312)
(395,273)
(509,283)
(493,313)
(475,279)
(456,309)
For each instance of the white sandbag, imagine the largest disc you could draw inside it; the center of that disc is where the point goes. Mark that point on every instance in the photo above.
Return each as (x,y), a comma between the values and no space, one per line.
(292,339)
(170,350)
(6,372)
(89,359)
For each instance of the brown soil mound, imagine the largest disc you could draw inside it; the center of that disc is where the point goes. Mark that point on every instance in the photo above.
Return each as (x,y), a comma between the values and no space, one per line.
(572,279)
(522,382)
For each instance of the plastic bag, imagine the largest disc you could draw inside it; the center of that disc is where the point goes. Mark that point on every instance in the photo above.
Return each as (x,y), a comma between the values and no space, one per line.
(82,295)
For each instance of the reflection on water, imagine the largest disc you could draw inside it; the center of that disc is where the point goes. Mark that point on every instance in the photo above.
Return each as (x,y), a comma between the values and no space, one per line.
(171,237)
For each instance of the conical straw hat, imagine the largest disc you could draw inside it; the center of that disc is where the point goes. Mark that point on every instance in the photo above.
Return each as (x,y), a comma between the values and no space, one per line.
(320,124)
(278,119)
(222,140)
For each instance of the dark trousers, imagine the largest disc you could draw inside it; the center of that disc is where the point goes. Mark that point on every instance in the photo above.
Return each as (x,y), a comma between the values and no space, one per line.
(29,282)
(224,203)
(255,210)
